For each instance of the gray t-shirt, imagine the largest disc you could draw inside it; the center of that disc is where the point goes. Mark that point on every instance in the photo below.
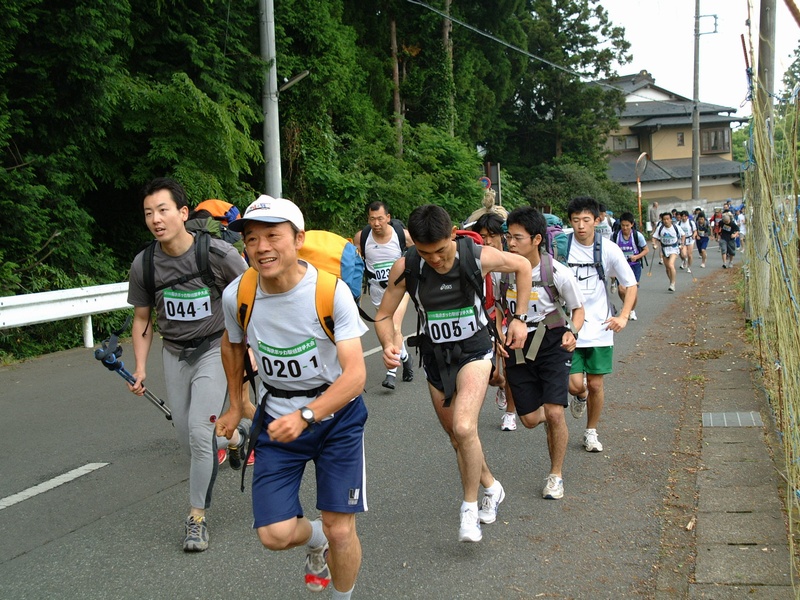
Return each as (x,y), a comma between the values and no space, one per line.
(189,310)
(292,349)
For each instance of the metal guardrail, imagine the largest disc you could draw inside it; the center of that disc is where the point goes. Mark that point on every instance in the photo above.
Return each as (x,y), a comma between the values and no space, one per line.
(45,307)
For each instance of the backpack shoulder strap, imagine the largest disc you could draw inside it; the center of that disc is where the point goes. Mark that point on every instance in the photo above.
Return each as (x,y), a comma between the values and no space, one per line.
(246,297)
(149,271)
(598,256)
(401,234)
(323,301)
(569,245)
(362,242)
(546,274)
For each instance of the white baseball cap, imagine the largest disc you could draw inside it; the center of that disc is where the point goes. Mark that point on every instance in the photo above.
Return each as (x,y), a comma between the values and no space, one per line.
(270,210)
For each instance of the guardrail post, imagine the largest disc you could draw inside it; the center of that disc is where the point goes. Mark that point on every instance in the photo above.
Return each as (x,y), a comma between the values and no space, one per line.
(88,336)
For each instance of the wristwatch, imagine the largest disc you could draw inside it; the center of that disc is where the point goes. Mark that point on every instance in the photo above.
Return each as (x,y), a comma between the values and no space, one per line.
(308,415)
(523,317)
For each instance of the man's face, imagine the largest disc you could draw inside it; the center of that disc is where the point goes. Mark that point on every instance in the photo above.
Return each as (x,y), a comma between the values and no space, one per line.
(667,220)
(163,217)
(272,248)
(523,243)
(440,255)
(379,220)
(583,224)
(626,227)
(495,240)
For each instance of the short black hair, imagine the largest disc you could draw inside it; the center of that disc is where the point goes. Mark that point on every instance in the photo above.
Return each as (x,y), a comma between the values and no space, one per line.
(429,224)
(377,205)
(166,183)
(530,219)
(580,204)
(627,216)
(491,222)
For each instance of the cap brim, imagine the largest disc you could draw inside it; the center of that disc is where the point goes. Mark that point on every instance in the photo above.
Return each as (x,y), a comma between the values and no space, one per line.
(239,224)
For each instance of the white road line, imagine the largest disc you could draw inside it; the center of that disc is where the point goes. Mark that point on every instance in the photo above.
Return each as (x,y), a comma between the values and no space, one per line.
(49,485)
(377,349)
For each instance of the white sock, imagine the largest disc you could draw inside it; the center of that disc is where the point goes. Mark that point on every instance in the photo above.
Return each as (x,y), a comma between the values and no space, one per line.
(469,506)
(494,488)
(392,372)
(337,595)
(317,538)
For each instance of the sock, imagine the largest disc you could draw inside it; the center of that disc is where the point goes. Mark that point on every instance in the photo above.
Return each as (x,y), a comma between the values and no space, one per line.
(392,372)
(590,431)
(469,506)
(337,595)
(511,413)
(494,488)
(317,538)
(403,353)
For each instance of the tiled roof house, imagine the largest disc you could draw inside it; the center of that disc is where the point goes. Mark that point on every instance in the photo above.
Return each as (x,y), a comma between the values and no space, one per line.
(659,122)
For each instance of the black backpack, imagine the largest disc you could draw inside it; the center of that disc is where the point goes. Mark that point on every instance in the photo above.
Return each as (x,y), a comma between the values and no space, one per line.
(202,249)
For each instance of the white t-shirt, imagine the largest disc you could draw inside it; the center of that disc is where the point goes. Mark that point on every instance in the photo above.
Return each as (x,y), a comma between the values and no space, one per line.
(741,221)
(292,350)
(670,238)
(540,304)
(596,304)
(605,227)
(688,228)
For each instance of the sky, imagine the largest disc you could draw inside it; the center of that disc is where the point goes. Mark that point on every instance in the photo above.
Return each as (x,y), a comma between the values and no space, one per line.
(661,34)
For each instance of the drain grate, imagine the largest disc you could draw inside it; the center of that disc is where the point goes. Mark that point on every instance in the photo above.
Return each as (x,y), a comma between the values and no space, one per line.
(732,419)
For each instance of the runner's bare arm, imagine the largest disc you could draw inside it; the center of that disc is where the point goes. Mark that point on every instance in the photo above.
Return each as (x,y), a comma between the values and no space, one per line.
(384,326)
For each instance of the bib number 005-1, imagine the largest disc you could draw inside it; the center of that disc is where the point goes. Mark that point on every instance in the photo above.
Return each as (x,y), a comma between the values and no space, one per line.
(452,325)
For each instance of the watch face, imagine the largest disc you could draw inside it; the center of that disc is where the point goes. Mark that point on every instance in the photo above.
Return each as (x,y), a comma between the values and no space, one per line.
(307,414)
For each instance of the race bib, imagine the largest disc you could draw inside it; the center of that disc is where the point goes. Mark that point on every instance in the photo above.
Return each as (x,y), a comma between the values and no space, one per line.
(382,270)
(191,305)
(452,325)
(290,364)
(511,298)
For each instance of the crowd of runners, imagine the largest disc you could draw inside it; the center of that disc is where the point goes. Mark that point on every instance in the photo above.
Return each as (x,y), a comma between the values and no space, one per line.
(494,308)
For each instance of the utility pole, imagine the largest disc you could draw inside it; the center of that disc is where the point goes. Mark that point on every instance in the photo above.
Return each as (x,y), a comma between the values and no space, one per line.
(269,102)
(696,100)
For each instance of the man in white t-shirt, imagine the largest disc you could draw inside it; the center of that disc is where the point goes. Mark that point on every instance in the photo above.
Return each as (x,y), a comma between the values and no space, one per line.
(538,375)
(670,239)
(689,229)
(311,407)
(381,243)
(594,356)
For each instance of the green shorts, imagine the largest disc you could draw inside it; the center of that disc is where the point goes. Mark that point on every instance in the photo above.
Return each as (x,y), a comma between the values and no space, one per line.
(593,361)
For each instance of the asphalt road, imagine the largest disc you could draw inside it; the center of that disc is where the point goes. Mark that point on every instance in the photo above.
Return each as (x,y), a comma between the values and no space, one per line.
(117,531)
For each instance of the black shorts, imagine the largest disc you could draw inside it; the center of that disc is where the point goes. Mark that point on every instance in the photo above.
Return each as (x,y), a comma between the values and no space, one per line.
(546,379)
(433,375)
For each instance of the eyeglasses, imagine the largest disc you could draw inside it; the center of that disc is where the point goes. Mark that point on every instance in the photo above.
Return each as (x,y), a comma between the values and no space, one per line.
(517,238)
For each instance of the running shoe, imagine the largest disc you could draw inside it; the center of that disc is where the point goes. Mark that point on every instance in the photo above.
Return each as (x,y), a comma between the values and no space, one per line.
(590,441)
(553,488)
(318,575)
(633,316)
(488,511)
(196,539)
(222,455)
(671,287)
(577,407)
(500,399)
(724,266)
(237,453)
(470,528)
(389,381)
(509,422)
(702,265)
(408,369)
(688,270)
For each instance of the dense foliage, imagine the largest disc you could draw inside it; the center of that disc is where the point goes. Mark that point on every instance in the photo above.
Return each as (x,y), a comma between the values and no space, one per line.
(95,101)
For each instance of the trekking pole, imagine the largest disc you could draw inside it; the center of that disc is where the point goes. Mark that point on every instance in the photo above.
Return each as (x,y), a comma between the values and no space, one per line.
(108,354)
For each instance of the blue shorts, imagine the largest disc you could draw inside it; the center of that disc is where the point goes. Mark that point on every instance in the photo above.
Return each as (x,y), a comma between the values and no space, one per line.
(337,448)
(702,244)
(637,269)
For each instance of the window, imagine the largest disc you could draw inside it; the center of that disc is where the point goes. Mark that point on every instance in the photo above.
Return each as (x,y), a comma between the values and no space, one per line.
(626,142)
(713,141)
(681,141)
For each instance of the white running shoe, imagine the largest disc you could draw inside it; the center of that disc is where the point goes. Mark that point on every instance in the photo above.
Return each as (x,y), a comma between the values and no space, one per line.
(671,287)
(688,270)
(590,441)
(509,422)
(633,316)
(470,529)
(577,406)
(702,265)
(553,488)
(488,511)
(500,399)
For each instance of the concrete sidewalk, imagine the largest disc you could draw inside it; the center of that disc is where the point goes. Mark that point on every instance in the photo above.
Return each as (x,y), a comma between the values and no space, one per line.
(739,521)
